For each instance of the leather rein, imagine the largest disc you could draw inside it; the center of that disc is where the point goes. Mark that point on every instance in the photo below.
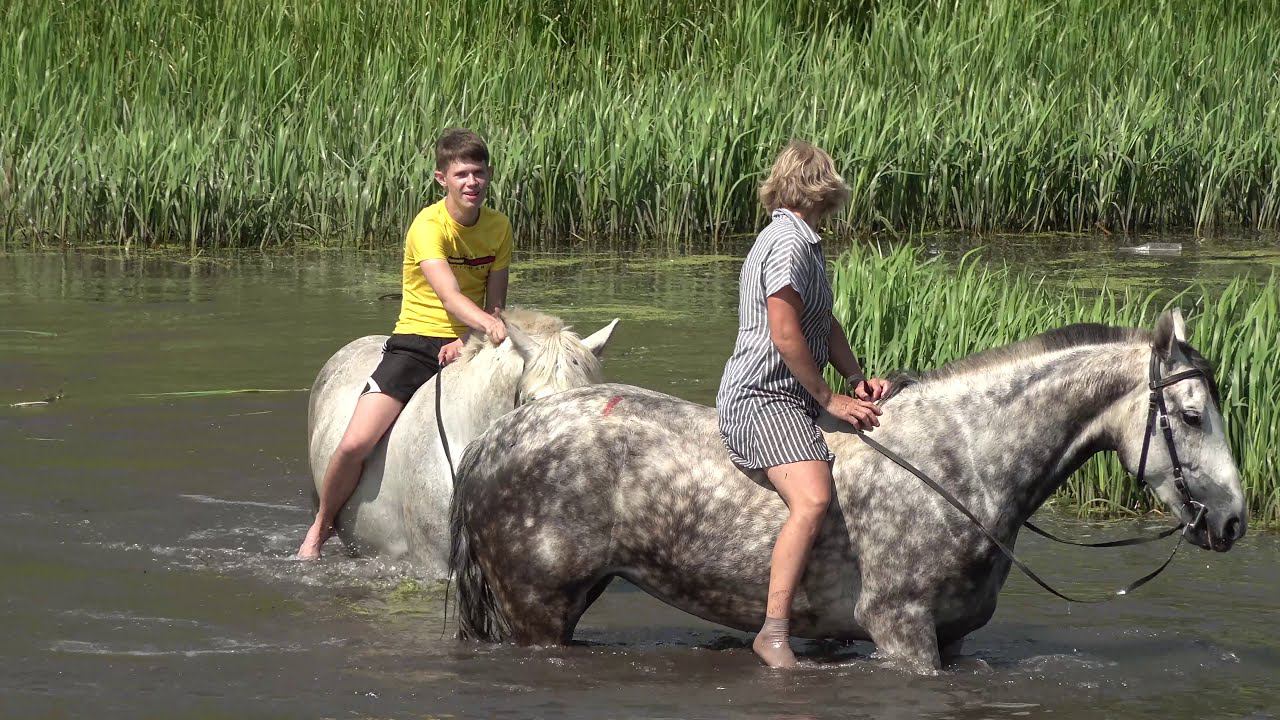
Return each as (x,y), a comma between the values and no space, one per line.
(1157,413)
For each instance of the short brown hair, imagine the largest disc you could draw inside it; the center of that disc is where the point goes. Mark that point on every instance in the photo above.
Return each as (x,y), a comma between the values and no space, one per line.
(804,178)
(460,144)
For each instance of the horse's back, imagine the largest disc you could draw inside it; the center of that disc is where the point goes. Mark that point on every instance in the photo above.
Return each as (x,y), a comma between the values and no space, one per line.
(573,430)
(574,448)
(647,451)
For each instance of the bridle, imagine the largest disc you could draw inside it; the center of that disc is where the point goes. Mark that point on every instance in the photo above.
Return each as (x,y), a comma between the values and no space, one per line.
(1157,413)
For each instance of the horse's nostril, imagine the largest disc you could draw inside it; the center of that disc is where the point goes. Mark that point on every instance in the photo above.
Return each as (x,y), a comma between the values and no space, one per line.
(1232,528)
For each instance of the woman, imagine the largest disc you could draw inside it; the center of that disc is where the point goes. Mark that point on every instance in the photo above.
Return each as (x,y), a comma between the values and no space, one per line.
(773,389)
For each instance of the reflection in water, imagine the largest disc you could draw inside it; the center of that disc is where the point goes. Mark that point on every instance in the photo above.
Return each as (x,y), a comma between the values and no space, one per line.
(148,539)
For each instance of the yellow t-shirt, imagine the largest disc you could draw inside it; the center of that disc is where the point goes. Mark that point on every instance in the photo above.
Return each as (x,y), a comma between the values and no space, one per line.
(473,252)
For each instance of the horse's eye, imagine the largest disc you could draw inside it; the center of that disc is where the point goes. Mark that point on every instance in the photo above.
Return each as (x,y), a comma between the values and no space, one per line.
(1191,417)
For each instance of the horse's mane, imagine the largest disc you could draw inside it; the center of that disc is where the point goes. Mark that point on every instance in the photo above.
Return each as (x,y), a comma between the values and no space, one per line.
(1063,338)
(538,325)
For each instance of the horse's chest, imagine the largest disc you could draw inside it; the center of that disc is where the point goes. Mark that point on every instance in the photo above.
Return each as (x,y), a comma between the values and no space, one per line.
(967,589)
(956,582)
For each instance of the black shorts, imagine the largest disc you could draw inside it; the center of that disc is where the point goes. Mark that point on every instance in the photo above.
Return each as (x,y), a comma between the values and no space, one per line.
(408,362)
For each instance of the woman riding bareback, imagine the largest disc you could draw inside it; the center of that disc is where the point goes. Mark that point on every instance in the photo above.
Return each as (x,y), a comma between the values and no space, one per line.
(773,388)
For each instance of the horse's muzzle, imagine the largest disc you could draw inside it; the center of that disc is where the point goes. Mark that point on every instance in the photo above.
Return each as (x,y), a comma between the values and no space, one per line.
(1217,532)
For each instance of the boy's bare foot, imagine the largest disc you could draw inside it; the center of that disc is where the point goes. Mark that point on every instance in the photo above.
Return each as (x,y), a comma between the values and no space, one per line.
(311,544)
(773,643)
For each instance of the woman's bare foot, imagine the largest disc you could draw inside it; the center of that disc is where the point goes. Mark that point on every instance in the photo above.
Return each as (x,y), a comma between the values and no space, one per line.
(773,643)
(311,544)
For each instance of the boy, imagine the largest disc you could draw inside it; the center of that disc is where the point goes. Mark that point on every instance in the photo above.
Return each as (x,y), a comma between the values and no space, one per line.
(456,256)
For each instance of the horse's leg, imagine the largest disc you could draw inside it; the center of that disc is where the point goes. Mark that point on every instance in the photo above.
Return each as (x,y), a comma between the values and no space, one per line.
(952,658)
(543,576)
(538,616)
(952,650)
(586,600)
(548,615)
(903,632)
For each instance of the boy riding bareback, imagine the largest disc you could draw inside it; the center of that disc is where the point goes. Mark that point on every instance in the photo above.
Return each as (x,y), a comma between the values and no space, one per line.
(456,256)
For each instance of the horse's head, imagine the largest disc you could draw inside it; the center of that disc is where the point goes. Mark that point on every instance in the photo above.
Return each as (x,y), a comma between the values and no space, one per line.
(1194,416)
(548,356)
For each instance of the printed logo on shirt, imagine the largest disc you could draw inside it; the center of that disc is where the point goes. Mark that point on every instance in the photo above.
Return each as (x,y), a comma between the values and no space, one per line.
(473,262)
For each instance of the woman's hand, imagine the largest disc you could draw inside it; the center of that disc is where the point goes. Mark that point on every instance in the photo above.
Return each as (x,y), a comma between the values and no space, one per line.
(862,414)
(871,390)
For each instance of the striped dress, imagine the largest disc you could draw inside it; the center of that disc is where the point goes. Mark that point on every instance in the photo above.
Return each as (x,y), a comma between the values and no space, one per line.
(766,416)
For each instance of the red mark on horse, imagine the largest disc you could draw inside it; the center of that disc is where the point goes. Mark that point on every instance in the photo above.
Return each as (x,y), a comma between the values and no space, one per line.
(613,402)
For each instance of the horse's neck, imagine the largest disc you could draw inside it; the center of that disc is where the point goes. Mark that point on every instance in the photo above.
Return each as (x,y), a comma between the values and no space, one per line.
(1047,415)
(480,390)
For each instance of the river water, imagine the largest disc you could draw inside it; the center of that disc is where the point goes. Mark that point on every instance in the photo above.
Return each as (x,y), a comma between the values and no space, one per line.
(147,534)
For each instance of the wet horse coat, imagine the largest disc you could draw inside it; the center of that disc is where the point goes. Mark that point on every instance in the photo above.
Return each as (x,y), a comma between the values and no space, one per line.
(400,509)
(562,495)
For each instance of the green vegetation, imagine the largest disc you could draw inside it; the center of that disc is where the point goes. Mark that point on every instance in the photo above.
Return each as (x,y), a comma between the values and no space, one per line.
(234,123)
(906,312)
(411,599)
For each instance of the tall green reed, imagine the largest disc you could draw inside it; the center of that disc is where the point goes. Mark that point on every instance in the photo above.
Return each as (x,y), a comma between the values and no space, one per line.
(266,123)
(903,311)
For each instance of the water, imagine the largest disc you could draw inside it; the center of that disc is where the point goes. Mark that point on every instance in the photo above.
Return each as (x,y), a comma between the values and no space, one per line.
(1092,261)
(147,536)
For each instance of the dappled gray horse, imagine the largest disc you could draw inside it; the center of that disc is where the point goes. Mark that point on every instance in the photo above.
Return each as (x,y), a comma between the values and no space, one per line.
(400,509)
(562,495)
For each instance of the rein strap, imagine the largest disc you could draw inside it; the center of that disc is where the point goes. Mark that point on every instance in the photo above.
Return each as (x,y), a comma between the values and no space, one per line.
(453,476)
(1141,540)
(1008,552)
(1156,411)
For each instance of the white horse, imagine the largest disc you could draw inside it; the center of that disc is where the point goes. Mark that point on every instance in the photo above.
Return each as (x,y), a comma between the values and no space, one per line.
(400,509)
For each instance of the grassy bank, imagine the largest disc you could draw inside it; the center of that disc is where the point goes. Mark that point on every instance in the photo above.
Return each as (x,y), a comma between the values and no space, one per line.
(233,123)
(905,312)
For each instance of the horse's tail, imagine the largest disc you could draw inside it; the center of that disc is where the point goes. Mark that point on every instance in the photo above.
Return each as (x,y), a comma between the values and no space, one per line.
(479,615)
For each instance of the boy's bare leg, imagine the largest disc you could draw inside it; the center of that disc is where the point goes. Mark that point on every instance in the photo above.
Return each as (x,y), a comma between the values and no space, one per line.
(373,415)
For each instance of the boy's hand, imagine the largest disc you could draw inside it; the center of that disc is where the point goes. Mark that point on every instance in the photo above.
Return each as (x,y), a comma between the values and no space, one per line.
(496,330)
(450,352)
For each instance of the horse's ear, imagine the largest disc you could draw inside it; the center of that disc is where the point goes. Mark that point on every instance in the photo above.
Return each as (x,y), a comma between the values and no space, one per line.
(525,345)
(597,341)
(1170,330)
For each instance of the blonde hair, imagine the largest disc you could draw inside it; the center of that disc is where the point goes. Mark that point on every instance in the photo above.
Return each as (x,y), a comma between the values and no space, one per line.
(804,178)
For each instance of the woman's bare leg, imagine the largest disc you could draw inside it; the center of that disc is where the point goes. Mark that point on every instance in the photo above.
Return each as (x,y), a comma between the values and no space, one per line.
(373,415)
(806,488)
